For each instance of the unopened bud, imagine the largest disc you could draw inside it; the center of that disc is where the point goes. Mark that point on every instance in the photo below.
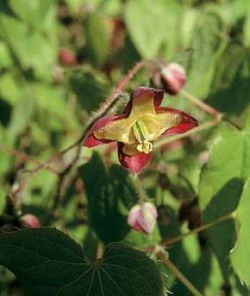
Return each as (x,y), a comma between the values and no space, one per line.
(30,221)
(173,78)
(67,58)
(142,217)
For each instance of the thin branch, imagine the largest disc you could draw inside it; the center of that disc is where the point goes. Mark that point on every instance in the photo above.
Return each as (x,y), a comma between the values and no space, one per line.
(139,189)
(205,107)
(22,156)
(167,242)
(160,254)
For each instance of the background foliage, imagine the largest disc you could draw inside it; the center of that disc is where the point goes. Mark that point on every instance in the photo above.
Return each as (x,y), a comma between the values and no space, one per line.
(46,98)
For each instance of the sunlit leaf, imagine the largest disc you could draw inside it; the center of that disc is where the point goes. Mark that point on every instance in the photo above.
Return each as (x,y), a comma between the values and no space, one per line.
(205,45)
(230,87)
(220,189)
(143,20)
(98,37)
(241,252)
(32,12)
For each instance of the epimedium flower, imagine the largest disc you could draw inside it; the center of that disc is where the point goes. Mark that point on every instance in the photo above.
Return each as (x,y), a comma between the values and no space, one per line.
(141,124)
(142,217)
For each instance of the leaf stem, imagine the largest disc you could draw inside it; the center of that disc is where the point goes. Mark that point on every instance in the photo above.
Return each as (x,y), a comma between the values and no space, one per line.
(179,275)
(139,189)
(99,250)
(205,107)
(167,242)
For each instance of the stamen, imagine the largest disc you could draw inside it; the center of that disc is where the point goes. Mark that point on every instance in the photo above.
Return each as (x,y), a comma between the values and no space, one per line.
(145,147)
(141,134)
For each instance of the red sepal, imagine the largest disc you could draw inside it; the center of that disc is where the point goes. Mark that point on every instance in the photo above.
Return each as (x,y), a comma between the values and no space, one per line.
(187,122)
(134,163)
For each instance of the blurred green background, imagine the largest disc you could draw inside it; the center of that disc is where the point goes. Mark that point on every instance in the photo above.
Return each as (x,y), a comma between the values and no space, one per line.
(60,59)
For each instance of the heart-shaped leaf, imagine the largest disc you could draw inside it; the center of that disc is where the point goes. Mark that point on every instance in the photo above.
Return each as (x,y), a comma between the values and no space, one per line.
(48,262)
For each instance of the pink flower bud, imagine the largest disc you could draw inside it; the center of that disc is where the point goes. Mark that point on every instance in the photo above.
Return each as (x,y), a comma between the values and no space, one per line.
(67,58)
(173,77)
(142,217)
(30,221)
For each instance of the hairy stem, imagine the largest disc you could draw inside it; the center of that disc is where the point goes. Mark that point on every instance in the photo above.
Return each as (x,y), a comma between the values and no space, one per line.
(139,189)
(179,275)
(173,240)
(205,107)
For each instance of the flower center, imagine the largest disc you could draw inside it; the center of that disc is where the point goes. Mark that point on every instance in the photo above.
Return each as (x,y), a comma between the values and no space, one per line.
(141,134)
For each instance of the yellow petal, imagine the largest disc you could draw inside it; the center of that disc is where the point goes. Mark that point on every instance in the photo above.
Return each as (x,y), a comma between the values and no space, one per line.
(158,123)
(142,106)
(168,120)
(118,130)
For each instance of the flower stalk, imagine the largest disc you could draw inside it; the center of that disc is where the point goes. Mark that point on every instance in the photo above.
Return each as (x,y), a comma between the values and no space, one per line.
(167,242)
(205,107)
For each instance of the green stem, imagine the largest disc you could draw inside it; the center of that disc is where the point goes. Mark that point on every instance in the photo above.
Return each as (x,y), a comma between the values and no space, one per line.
(205,107)
(139,189)
(180,276)
(171,241)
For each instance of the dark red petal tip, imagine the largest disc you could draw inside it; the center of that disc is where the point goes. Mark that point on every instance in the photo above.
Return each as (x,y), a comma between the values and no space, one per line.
(134,163)
(145,92)
(187,123)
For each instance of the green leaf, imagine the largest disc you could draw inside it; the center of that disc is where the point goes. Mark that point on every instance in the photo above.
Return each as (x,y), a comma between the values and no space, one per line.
(231,89)
(224,163)
(241,253)
(9,89)
(22,114)
(98,34)
(246,166)
(246,30)
(5,57)
(110,194)
(147,24)
(90,87)
(205,44)
(32,12)
(41,46)
(48,262)
(220,189)
(173,17)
